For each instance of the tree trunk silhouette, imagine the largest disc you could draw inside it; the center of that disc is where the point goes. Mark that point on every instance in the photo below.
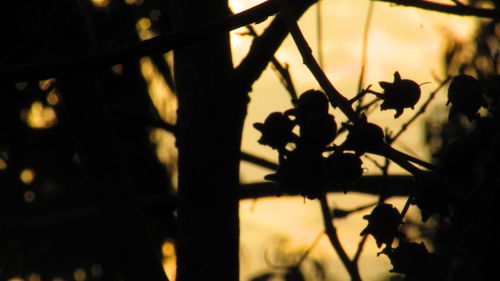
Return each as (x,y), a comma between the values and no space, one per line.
(208,139)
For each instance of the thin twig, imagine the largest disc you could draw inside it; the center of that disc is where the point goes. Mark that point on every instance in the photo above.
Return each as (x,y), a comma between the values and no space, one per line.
(364,49)
(310,248)
(361,246)
(335,97)
(283,72)
(460,10)
(385,175)
(259,161)
(262,51)
(319,31)
(245,156)
(331,232)
(338,213)
(406,207)
(368,105)
(375,162)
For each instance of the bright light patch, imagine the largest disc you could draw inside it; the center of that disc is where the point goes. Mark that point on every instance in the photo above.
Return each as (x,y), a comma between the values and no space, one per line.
(100,3)
(134,2)
(27,176)
(79,274)
(40,116)
(45,84)
(169,259)
(52,98)
(143,23)
(168,249)
(143,29)
(166,103)
(3,164)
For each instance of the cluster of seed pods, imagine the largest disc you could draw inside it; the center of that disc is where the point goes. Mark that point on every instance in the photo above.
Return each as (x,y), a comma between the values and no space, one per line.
(303,167)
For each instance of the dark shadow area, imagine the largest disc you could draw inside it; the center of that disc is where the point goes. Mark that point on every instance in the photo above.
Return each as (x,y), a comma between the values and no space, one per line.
(50,221)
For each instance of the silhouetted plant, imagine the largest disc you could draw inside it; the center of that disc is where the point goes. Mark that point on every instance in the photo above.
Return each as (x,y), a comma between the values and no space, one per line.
(94,173)
(451,189)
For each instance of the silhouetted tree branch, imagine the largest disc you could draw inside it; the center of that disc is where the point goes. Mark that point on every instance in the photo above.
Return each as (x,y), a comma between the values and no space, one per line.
(157,45)
(263,49)
(331,232)
(374,185)
(245,156)
(282,71)
(460,10)
(336,98)
(394,186)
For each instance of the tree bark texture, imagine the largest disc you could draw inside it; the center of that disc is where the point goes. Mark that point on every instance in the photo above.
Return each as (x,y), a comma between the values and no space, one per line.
(210,121)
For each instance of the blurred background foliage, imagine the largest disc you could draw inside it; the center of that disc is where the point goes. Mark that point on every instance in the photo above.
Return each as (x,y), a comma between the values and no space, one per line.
(49,222)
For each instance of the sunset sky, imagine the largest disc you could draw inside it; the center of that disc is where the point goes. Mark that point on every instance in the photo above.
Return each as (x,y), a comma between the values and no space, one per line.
(402,39)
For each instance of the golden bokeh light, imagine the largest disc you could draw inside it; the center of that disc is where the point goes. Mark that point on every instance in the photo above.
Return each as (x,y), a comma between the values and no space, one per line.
(16,279)
(134,2)
(143,27)
(100,3)
(45,84)
(53,98)
(165,102)
(168,249)
(80,274)
(40,116)
(143,23)
(169,259)
(27,176)
(3,164)
(162,96)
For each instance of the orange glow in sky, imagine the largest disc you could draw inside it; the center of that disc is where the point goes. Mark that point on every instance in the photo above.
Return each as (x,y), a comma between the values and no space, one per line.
(408,40)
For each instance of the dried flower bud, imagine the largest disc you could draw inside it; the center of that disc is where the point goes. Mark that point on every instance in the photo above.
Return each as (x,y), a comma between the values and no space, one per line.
(401,94)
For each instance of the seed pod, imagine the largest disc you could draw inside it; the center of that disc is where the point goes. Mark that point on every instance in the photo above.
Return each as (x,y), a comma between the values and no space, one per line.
(466,97)
(416,263)
(301,173)
(383,224)
(363,137)
(344,168)
(311,102)
(318,130)
(276,131)
(401,94)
